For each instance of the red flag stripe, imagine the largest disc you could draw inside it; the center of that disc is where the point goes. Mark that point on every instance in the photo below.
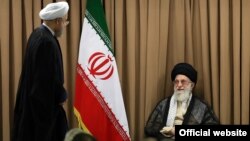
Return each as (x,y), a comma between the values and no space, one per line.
(95,112)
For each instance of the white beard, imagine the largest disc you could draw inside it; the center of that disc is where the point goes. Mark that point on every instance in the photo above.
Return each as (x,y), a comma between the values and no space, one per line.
(182,95)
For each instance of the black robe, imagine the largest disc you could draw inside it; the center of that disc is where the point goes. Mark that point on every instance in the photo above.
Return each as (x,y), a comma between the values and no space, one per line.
(198,113)
(38,114)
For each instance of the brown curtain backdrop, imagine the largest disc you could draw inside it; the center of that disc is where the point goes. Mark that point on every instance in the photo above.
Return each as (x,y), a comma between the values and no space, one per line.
(149,37)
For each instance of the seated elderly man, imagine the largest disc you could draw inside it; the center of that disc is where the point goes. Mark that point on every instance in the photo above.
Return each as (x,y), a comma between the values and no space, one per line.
(182,108)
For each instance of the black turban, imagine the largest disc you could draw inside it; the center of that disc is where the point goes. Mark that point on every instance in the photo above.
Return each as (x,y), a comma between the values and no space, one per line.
(184,69)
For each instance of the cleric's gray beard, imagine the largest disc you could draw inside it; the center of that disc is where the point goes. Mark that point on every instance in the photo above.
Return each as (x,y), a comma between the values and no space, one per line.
(59,33)
(182,95)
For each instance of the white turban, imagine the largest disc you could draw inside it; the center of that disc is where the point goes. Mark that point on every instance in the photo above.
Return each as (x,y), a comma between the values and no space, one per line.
(54,10)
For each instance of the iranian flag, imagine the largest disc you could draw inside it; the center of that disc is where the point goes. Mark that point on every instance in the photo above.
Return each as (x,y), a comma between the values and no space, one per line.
(98,102)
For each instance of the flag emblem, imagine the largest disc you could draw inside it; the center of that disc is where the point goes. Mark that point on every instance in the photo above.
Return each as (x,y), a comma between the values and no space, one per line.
(100,65)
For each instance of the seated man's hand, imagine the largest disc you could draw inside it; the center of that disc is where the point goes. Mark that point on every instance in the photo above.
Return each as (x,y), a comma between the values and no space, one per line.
(168,131)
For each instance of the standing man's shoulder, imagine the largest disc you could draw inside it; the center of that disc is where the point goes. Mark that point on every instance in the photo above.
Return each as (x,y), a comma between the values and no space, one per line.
(41,32)
(40,35)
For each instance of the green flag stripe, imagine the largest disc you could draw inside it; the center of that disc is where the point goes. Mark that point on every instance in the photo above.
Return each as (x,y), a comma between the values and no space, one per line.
(99,29)
(98,22)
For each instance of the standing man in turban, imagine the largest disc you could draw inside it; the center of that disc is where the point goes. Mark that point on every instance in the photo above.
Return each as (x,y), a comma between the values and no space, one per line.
(180,108)
(39,113)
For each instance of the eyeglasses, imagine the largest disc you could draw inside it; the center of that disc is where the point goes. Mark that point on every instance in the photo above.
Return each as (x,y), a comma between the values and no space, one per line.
(64,21)
(183,82)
